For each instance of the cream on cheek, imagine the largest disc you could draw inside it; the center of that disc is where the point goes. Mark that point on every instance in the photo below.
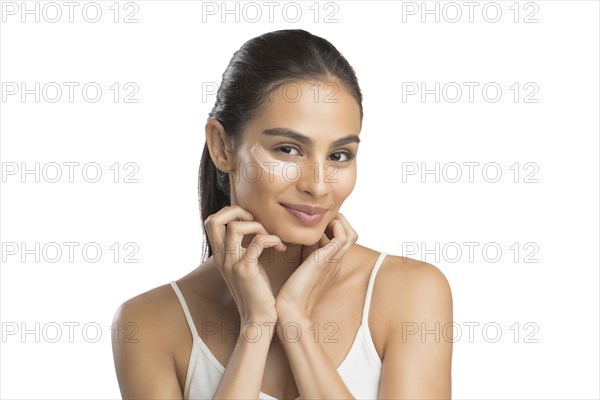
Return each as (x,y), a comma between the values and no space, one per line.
(274,168)
(259,176)
(267,177)
(260,167)
(341,179)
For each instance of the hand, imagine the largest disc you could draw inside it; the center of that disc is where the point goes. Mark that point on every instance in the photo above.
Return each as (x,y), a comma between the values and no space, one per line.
(239,266)
(319,270)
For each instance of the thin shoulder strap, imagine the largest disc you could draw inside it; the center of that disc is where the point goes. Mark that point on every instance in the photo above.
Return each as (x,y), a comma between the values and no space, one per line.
(365,315)
(186,311)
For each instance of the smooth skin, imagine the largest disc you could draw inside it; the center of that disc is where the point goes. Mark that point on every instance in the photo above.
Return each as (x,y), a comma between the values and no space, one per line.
(269,270)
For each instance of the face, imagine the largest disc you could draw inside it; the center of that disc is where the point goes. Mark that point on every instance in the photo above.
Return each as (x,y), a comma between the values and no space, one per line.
(300,151)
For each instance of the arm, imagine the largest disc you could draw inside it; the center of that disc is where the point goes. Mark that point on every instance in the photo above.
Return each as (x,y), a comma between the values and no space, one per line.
(418,352)
(145,365)
(245,368)
(143,362)
(314,373)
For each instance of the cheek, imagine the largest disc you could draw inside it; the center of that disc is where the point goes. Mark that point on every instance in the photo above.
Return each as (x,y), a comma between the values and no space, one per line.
(257,179)
(276,171)
(269,172)
(345,180)
(260,177)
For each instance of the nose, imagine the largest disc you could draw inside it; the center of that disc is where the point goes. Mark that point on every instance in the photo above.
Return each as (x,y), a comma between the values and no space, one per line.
(317,178)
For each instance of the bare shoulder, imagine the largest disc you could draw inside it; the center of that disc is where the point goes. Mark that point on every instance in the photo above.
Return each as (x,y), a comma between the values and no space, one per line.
(414,308)
(417,310)
(143,340)
(150,310)
(416,278)
(411,290)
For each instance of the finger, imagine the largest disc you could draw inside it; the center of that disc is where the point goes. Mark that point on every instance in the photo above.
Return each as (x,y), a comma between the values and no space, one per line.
(351,234)
(258,244)
(331,251)
(339,233)
(233,241)
(215,227)
(322,243)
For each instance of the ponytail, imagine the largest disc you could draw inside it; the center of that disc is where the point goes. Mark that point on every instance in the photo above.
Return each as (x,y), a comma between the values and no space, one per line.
(213,191)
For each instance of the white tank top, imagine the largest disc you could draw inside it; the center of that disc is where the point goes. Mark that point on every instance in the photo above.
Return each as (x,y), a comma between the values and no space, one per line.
(360,370)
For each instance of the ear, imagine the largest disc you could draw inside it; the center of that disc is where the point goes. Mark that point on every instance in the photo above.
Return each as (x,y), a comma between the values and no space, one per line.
(218,145)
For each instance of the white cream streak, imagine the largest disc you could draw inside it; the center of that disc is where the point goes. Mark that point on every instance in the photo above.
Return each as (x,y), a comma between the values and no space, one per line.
(272,166)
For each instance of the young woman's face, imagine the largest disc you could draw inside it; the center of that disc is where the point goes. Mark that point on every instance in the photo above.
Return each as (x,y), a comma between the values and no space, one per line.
(315,165)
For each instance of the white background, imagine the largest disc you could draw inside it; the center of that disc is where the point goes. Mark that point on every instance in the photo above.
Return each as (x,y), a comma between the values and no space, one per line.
(170,52)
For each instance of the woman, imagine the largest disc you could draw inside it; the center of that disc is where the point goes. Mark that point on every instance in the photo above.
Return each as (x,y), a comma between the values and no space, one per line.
(287,304)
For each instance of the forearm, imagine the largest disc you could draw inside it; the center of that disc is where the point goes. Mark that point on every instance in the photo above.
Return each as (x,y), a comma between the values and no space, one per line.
(315,374)
(244,371)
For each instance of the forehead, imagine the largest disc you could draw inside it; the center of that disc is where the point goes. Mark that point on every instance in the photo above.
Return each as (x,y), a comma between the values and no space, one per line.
(322,110)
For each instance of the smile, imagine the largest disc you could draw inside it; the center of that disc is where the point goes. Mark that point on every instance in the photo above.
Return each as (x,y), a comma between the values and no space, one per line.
(309,216)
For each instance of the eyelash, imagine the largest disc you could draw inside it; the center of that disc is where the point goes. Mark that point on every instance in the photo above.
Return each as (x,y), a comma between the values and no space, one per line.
(348,155)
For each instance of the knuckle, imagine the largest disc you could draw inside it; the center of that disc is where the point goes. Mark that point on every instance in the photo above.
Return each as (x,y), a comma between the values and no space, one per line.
(233,226)
(260,239)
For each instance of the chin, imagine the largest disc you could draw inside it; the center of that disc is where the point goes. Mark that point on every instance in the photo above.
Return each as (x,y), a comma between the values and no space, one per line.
(306,239)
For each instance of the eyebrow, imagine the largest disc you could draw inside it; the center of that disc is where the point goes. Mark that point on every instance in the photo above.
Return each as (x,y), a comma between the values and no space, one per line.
(305,139)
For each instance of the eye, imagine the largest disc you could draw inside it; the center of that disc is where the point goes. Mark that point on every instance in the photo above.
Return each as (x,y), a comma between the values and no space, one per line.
(349,156)
(287,147)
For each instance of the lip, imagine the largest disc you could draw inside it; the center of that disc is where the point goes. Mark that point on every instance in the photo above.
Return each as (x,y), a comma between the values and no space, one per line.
(306,209)
(312,215)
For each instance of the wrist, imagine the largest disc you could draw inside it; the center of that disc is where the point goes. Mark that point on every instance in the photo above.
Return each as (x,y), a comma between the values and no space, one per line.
(292,325)
(288,314)
(256,331)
